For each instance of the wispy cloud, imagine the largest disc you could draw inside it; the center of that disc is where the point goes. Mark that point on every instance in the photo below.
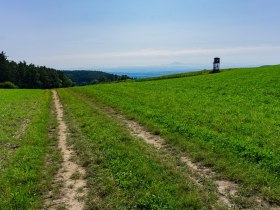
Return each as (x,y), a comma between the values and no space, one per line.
(163,53)
(237,56)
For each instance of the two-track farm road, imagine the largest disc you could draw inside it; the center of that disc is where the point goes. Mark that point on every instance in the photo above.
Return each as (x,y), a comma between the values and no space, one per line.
(70,188)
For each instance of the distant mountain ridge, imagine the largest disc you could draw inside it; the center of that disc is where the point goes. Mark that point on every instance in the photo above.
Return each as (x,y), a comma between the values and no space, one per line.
(86,77)
(148,74)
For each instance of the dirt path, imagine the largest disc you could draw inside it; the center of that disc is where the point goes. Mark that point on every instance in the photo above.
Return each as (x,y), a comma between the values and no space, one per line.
(22,129)
(70,178)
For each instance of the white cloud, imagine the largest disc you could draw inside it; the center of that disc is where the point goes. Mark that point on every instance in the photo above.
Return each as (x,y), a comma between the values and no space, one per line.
(252,54)
(157,53)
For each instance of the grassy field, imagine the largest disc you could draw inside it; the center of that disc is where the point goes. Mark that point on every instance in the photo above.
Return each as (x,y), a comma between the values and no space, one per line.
(123,172)
(25,120)
(228,121)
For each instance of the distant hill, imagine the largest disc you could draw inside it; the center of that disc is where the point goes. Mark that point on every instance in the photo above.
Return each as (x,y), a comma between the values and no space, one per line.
(147,74)
(178,75)
(86,77)
(183,74)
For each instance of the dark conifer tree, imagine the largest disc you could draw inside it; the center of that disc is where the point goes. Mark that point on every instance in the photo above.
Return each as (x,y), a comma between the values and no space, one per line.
(31,76)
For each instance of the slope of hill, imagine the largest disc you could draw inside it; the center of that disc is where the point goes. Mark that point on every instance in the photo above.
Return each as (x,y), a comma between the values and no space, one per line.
(209,141)
(228,121)
(179,75)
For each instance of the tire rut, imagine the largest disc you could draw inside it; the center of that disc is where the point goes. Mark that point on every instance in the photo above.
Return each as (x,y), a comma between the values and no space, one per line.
(69,180)
(227,190)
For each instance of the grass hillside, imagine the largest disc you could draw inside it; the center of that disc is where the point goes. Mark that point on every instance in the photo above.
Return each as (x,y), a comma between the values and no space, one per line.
(173,76)
(228,121)
(123,172)
(184,74)
(193,141)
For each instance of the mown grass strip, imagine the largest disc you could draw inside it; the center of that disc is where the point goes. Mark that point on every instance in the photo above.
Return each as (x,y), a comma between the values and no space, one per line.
(21,176)
(124,172)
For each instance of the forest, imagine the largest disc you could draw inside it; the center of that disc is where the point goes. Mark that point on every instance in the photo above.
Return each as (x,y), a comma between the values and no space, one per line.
(23,75)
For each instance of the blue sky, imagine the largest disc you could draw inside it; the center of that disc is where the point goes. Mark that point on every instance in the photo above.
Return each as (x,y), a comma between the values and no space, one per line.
(67,34)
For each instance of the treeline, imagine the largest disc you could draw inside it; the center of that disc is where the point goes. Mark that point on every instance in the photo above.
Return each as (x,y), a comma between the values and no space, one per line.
(25,75)
(85,77)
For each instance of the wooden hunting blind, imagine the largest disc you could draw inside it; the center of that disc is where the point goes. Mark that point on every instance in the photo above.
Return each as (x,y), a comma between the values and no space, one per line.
(216,65)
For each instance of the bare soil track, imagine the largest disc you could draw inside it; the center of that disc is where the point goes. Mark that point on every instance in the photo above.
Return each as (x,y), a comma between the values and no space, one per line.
(70,178)
(22,129)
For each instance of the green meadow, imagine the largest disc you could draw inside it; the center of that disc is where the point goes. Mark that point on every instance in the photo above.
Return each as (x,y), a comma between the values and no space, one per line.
(123,172)
(25,118)
(229,122)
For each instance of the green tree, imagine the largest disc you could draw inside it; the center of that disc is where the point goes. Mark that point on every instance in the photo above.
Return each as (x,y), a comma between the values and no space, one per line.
(4,70)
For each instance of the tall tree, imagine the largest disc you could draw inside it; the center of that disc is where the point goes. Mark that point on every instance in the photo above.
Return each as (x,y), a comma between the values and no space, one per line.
(4,70)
